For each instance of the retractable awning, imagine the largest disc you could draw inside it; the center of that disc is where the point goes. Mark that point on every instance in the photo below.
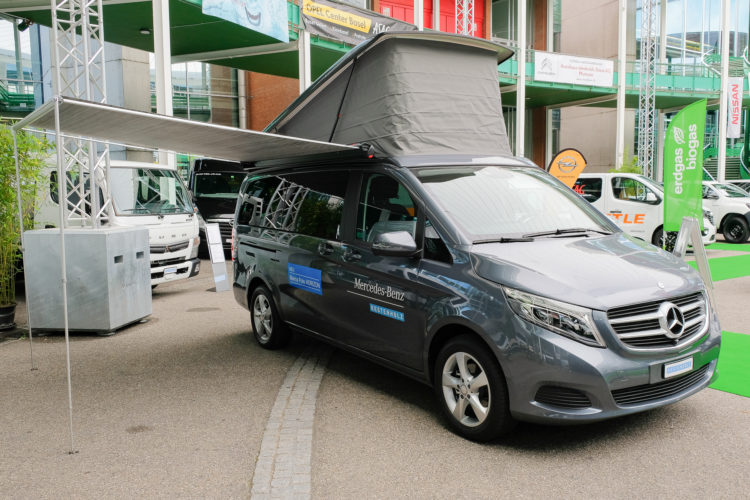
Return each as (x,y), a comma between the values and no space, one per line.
(103,122)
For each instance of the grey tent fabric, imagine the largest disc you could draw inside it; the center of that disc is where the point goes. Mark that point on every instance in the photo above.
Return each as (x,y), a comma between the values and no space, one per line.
(408,95)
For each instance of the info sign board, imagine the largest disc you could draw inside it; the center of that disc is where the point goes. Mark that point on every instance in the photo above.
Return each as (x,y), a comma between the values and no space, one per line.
(269,17)
(561,68)
(683,166)
(347,23)
(216,251)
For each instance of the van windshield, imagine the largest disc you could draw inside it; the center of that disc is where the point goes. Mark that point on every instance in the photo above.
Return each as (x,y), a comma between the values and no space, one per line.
(224,185)
(148,191)
(491,201)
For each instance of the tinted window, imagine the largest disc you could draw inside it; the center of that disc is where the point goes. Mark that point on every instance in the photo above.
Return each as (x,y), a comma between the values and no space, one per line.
(384,206)
(255,200)
(625,188)
(590,189)
(434,247)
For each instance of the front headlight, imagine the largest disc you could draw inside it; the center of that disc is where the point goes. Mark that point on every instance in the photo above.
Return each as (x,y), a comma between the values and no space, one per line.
(196,245)
(568,320)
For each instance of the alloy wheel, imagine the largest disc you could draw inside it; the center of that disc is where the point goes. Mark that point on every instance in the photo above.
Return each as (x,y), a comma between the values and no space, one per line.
(466,389)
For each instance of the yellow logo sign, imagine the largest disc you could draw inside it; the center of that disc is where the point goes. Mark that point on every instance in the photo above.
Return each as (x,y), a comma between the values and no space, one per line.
(336,16)
(567,165)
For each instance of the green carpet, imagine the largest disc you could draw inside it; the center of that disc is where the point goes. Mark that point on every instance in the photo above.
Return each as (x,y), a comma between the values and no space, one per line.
(734,364)
(724,268)
(729,246)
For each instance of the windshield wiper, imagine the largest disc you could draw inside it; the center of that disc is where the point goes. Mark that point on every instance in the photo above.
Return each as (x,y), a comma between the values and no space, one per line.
(571,230)
(504,240)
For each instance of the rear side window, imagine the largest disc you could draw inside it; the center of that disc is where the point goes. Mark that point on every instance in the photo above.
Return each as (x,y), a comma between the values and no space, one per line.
(590,188)
(256,199)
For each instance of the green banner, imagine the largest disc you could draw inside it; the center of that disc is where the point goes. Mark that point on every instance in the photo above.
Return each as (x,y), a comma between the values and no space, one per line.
(683,166)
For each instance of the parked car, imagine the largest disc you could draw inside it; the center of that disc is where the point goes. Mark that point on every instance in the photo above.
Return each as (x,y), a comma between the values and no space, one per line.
(482,276)
(731,208)
(635,203)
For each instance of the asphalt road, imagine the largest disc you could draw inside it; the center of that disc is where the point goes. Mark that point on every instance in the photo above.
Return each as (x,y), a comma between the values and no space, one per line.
(177,406)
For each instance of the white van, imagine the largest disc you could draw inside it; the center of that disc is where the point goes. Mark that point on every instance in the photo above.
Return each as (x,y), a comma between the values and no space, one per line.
(145,195)
(635,203)
(731,205)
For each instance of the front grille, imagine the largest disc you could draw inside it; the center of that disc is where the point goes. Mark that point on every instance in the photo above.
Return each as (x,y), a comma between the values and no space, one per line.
(174,247)
(641,325)
(652,392)
(562,397)
(167,262)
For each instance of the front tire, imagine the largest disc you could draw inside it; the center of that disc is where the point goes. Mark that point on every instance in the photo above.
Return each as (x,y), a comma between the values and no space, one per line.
(269,331)
(471,391)
(736,229)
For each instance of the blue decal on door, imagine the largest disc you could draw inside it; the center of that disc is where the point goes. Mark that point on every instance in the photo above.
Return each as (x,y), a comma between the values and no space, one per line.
(305,278)
(388,313)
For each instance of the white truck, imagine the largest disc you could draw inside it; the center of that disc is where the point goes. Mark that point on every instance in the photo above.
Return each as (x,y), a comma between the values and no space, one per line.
(151,196)
(731,207)
(635,203)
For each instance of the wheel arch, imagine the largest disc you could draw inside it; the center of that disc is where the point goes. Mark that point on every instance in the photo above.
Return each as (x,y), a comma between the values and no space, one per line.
(449,331)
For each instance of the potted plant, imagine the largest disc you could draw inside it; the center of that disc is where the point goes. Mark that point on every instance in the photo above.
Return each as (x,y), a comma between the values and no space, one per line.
(33,151)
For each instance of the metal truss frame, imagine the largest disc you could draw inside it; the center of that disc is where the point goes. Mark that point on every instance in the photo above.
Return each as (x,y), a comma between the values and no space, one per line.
(79,71)
(647,91)
(465,17)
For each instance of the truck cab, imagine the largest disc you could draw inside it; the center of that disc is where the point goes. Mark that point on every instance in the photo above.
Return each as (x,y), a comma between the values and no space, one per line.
(145,195)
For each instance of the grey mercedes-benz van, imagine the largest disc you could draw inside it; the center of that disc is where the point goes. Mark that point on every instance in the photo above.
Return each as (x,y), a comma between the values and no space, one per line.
(482,276)
(430,249)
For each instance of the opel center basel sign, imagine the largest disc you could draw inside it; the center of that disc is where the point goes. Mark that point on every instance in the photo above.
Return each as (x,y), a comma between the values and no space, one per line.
(561,68)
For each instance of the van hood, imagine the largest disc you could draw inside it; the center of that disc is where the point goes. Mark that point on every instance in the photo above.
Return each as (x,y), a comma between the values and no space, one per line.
(599,272)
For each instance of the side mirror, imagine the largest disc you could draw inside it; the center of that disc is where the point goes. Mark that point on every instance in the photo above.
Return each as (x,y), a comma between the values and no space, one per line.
(651,198)
(395,244)
(712,196)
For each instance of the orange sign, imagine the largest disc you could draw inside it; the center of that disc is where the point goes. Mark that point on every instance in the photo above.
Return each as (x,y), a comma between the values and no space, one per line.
(567,165)
(627,219)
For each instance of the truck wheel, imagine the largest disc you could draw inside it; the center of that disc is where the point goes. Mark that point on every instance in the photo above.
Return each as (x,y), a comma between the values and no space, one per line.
(270,332)
(471,391)
(735,229)
(658,238)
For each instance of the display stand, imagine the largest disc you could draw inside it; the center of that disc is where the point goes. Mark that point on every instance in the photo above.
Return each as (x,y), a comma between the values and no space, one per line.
(216,251)
(690,233)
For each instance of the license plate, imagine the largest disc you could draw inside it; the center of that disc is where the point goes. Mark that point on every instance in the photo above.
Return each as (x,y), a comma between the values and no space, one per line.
(678,367)
(170,270)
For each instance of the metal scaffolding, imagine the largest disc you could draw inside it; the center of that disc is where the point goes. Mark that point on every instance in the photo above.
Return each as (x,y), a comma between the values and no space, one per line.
(647,91)
(79,71)
(465,17)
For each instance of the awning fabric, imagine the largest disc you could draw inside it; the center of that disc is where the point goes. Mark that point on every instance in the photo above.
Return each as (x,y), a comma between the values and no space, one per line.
(102,122)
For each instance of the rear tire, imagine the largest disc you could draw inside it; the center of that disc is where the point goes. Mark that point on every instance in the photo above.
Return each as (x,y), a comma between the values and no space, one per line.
(269,331)
(471,391)
(736,229)
(658,238)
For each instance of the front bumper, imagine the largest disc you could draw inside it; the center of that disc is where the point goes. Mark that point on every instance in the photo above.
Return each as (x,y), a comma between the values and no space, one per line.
(558,380)
(175,271)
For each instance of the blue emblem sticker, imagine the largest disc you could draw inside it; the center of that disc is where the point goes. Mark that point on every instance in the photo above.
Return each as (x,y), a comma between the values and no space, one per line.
(388,313)
(305,278)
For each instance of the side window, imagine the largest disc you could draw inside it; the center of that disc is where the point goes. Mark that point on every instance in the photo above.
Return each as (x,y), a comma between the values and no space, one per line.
(311,204)
(384,206)
(255,200)
(434,247)
(590,188)
(625,188)
(708,193)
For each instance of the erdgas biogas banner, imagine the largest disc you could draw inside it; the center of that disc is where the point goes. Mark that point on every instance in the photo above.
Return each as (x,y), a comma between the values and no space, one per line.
(346,23)
(683,166)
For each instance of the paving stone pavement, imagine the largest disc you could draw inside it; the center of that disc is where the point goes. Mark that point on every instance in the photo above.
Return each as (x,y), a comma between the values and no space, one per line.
(283,467)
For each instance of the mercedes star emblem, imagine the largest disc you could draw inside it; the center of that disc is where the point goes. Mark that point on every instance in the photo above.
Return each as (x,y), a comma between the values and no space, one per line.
(671,320)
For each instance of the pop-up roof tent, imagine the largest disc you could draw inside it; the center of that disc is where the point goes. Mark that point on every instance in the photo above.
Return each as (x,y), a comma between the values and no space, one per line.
(407,93)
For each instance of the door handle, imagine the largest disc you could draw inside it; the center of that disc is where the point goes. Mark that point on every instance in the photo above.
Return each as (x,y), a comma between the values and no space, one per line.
(351,255)
(615,211)
(325,248)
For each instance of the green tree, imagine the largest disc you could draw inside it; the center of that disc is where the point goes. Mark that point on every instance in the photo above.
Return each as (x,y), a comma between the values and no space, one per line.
(33,151)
